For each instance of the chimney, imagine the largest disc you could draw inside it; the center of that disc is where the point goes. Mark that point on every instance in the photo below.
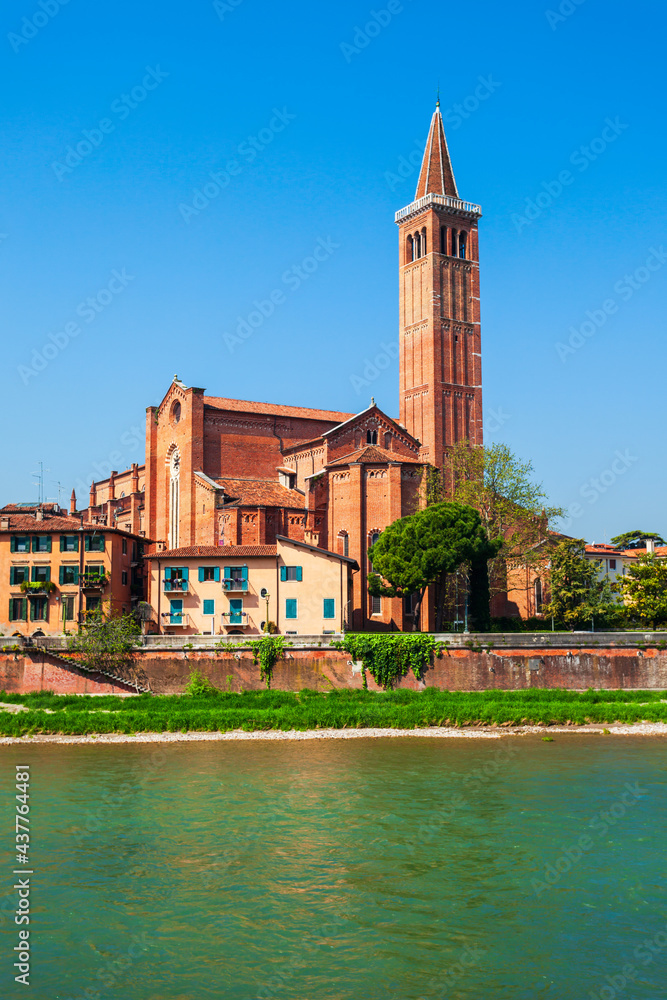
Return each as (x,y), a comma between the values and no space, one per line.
(112,485)
(650,546)
(135,478)
(72,503)
(4,524)
(39,514)
(93,495)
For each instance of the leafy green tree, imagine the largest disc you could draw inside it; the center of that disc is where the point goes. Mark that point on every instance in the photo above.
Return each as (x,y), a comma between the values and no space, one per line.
(637,539)
(644,587)
(579,594)
(512,507)
(105,642)
(423,548)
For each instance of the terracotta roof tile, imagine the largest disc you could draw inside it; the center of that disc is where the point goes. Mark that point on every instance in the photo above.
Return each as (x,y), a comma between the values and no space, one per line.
(28,524)
(372,455)
(262,493)
(215,552)
(275,409)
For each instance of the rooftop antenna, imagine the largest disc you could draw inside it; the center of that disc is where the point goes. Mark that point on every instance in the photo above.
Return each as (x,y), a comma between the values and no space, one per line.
(40,482)
(60,489)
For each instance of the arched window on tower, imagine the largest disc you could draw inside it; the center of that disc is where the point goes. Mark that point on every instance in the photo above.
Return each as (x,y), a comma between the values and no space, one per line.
(455,243)
(462,245)
(443,239)
(410,255)
(371,437)
(424,250)
(418,249)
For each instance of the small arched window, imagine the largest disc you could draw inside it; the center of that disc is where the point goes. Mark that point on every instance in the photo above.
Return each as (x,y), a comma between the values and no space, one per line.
(443,239)
(538,596)
(455,243)
(410,249)
(424,250)
(371,437)
(417,246)
(462,245)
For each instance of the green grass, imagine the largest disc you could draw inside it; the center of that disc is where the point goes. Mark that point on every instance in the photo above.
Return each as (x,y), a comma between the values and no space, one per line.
(220,711)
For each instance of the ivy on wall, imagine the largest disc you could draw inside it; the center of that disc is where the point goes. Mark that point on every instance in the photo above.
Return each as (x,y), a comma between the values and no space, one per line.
(390,656)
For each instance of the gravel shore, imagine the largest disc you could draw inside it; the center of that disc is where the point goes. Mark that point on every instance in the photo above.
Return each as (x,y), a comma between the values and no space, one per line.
(436,732)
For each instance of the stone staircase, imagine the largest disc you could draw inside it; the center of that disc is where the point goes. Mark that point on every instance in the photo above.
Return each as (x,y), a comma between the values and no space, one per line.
(70,663)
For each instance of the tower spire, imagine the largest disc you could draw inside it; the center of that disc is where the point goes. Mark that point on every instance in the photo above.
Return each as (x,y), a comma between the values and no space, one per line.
(436,175)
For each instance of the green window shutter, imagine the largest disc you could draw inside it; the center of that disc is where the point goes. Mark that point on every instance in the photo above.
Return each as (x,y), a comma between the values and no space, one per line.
(167,574)
(209,607)
(11,610)
(87,543)
(244,574)
(24,609)
(63,543)
(201,575)
(33,575)
(216,574)
(76,543)
(48,543)
(61,575)
(35,543)
(12,543)
(185,572)
(101,544)
(48,574)
(283,573)
(12,576)
(299,573)
(76,575)
(329,608)
(290,607)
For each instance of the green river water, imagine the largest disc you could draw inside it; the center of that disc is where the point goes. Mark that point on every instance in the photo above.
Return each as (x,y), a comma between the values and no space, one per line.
(398,868)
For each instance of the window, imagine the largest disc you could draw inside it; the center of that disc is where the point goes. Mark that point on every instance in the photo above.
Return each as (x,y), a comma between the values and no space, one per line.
(236,611)
(68,609)
(538,596)
(18,609)
(125,546)
(209,607)
(371,437)
(93,602)
(462,245)
(41,543)
(94,570)
(123,579)
(376,605)
(372,539)
(69,543)
(69,575)
(208,573)
(236,578)
(291,607)
(20,543)
(411,250)
(612,564)
(443,239)
(409,605)
(17,575)
(291,573)
(329,610)
(39,609)
(94,543)
(176,578)
(455,239)
(41,574)
(424,241)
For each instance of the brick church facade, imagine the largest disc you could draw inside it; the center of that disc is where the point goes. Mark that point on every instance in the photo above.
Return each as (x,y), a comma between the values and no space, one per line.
(224,472)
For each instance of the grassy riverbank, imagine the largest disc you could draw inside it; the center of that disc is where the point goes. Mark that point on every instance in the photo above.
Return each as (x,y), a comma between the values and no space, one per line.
(46,713)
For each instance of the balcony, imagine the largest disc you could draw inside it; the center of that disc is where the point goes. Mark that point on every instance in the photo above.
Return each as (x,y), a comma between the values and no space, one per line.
(94,581)
(443,201)
(170,620)
(233,584)
(236,619)
(176,586)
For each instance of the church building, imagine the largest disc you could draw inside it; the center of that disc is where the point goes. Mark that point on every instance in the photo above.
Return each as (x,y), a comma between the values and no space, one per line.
(224,472)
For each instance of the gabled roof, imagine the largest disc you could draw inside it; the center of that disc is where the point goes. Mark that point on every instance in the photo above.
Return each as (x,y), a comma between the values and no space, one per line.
(436,175)
(222,552)
(318,550)
(261,493)
(274,409)
(29,525)
(372,455)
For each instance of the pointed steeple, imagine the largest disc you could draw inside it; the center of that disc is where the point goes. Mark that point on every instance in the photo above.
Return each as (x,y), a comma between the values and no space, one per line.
(436,175)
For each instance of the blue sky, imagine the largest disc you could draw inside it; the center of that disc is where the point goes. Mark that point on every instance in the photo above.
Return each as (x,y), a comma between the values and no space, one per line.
(176,163)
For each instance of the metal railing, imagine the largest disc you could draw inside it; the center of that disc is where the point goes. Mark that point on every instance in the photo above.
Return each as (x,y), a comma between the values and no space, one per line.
(442,201)
(182,586)
(178,620)
(232,583)
(238,618)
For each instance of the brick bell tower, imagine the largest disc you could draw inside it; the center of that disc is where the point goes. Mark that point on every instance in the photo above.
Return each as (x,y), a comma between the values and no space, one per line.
(440,340)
